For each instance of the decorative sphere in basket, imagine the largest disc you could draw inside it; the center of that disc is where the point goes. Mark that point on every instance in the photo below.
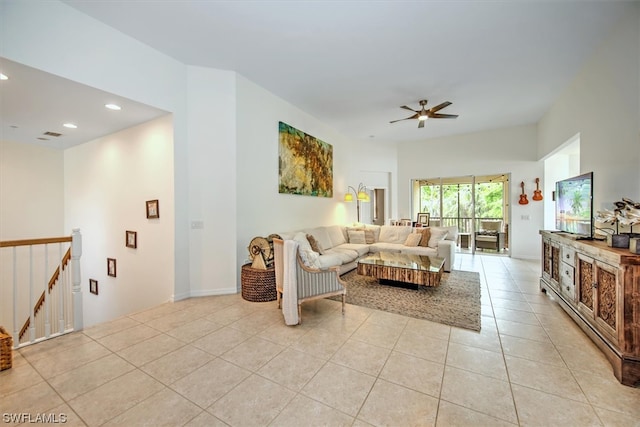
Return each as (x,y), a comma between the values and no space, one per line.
(261,252)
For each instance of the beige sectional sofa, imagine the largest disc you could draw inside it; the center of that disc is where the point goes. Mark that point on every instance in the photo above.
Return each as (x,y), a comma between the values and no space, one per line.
(342,246)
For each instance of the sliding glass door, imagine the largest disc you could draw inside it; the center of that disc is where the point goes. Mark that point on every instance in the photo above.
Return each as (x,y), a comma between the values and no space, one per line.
(463,201)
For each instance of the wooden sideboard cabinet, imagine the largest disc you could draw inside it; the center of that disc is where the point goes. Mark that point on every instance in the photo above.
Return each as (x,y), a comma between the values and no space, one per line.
(599,287)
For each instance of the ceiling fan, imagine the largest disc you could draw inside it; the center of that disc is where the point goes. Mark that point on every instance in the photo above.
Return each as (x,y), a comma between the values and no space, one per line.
(424,114)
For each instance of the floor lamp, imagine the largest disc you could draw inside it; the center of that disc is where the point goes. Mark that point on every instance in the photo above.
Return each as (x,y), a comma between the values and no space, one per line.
(360,194)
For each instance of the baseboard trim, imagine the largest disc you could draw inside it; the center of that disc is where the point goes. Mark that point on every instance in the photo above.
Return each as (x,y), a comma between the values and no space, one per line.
(203,293)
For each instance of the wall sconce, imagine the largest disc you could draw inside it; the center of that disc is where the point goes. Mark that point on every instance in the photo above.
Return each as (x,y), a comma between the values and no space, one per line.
(360,194)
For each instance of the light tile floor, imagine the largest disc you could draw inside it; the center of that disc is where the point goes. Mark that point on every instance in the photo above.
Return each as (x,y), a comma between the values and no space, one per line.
(218,361)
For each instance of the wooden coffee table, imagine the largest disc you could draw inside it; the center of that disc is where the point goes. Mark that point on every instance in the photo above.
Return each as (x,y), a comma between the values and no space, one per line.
(405,268)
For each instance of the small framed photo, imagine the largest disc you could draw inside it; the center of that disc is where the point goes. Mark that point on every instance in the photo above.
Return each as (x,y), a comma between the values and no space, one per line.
(111,267)
(153,209)
(93,286)
(423,218)
(132,239)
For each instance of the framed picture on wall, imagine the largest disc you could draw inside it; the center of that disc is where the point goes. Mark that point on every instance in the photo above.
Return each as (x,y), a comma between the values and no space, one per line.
(153,209)
(131,239)
(423,218)
(93,286)
(111,267)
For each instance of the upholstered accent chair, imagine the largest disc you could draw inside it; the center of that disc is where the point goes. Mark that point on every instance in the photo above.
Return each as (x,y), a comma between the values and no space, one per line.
(310,283)
(490,235)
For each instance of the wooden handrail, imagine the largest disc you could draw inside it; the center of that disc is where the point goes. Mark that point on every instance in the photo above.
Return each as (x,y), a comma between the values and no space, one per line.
(29,242)
(54,279)
(24,327)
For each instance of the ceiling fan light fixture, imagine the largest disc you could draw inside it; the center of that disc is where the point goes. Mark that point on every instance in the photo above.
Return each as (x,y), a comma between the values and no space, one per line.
(424,114)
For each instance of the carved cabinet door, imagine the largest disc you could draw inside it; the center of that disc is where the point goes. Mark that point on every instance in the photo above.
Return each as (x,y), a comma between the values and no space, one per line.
(608,300)
(551,263)
(584,277)
(546,259)
(599,294)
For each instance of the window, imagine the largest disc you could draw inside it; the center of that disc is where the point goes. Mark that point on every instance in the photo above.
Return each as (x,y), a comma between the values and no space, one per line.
(463,201)
(490,200)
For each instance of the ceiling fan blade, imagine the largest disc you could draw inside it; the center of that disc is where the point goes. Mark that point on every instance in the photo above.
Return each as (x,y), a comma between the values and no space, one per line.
(443,116)
(410,109)
(421,123)
(440,107)
(415,116)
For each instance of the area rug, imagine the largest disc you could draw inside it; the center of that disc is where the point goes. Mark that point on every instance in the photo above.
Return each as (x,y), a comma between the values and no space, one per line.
(456,302)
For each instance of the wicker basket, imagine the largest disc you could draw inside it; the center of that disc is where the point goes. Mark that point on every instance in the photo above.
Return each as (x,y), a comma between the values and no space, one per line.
(258,285)
(6,349)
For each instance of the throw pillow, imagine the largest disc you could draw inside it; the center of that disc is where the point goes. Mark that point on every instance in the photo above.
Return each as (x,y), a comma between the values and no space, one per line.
(436,236)
(357,236)
(426,236)
(376,232)
(394,234)
(369,237)
(315,246)
(336,235)
(308,256)
(452,233)
(413,239)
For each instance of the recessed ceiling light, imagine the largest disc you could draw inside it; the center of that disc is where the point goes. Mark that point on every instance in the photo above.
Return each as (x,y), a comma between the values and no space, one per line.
(114,107)
(4,76)
(70,125)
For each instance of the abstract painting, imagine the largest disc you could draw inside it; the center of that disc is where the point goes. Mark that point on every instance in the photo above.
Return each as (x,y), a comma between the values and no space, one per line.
(305,164)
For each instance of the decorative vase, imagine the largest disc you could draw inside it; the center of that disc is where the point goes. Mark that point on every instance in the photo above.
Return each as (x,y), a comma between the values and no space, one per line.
(618,240)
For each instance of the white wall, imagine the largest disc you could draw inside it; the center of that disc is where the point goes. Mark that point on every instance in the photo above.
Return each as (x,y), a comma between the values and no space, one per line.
(31,206)
(261,209)
(107,182)
(31,192)
(510,150)
(58,39)
(212,181)
(603,105)
(223,132)
(560,165)
(377,167)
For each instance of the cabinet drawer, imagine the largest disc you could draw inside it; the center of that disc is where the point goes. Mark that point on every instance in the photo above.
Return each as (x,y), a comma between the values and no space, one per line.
(567,283)
(568,255)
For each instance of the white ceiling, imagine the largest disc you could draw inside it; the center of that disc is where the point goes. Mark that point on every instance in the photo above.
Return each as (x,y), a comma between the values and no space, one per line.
(352,64)
(33,102)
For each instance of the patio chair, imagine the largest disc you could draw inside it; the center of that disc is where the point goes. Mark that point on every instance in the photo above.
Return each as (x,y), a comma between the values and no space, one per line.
(490,235)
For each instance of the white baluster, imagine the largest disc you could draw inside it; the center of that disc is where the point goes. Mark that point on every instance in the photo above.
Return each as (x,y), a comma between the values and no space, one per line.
(32,303)
(47,324)
(61,292)
(76,253)
(16,332)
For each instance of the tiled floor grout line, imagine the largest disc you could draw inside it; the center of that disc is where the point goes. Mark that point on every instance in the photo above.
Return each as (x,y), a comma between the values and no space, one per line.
(520,285)
(553,343)
(504,360)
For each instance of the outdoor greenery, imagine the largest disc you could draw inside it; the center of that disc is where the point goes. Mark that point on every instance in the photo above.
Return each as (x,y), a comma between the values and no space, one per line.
(456,200)
(489,200)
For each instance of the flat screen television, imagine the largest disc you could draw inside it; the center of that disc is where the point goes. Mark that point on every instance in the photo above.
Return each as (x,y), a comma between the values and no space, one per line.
(574,205)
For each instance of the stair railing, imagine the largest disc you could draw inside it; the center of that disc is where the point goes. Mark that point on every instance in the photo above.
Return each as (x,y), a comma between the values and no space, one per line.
(62,302)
